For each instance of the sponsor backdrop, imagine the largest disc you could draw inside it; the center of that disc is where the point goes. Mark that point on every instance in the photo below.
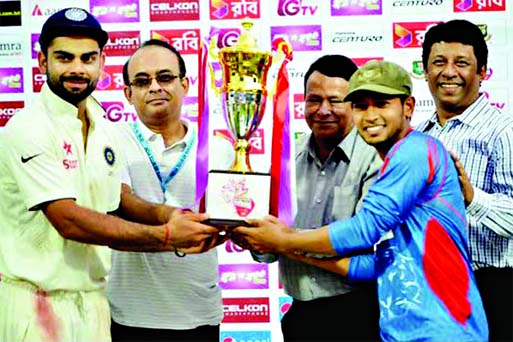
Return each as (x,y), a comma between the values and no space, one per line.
(254,301)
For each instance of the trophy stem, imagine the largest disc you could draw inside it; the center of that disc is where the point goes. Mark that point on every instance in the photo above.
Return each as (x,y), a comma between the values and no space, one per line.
(241,162)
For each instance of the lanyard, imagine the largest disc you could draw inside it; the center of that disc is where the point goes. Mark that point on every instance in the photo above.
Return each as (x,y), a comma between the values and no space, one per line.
(178,166)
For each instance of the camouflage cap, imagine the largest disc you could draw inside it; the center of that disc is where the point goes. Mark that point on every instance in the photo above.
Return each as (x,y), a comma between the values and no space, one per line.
(380,77)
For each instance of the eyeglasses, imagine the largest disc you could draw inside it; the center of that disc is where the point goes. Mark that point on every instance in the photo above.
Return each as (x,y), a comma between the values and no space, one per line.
(313,104)
(162,79)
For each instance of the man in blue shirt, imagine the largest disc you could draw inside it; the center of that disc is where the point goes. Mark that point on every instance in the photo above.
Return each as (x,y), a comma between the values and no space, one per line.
(413,215)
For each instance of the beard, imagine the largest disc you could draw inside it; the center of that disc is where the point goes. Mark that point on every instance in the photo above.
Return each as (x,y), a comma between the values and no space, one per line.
(72,95)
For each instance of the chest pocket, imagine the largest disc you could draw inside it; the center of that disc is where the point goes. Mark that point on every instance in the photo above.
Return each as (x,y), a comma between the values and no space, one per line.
(345,198)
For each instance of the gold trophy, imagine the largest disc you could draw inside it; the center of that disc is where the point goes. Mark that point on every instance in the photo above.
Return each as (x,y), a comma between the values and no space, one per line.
(239,193)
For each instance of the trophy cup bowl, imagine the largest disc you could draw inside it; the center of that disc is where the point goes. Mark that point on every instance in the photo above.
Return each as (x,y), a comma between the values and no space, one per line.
(239,193)
(244,94)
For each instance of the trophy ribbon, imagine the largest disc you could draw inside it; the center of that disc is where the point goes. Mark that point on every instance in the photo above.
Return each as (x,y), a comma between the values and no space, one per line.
(281,190)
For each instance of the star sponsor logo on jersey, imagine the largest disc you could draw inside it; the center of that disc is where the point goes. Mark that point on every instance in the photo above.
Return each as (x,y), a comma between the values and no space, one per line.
(111,78)
(8,109)
(186,41)
(411,34)
(245,336)
(164,10)
(115,11)
(301,37)
(10,13)
(122,43)
(244,276)
(356,7)
(11,80)
(297,8)
(479,5)
(69,161)
(246,310)
(256,140)
(234,9)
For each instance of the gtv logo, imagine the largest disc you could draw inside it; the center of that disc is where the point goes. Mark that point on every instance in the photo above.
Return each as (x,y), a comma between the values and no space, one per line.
(295,7)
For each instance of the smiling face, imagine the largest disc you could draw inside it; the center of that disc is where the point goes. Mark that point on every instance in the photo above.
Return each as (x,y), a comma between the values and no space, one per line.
(382,120)
(326,114)
(72,66)
(453,77)
(160,99)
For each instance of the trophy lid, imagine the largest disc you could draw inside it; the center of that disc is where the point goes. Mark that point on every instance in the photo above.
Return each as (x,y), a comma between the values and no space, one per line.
(246,40)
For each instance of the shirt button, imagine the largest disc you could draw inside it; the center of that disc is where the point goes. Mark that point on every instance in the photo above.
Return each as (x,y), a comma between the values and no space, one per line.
(318,200)
(323,173)
(314,279)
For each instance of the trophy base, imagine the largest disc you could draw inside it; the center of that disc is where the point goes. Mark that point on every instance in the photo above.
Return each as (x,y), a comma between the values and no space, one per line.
(233,197)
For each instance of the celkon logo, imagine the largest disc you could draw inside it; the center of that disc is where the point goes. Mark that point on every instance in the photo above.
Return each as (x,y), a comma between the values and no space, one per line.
(256,141)
(410,35)
(122,43)
(111,78)
(232,9)
(296,7)
(479,5)
(299,106)
(185,41)
(161,10)
(246,310)
(8,109)
(232,247)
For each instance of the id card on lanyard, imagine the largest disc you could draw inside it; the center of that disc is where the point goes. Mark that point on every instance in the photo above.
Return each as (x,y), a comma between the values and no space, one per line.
(164,181)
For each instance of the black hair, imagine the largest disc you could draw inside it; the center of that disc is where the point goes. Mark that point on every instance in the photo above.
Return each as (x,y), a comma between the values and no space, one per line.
(456,31)
(161,43)
(332,66)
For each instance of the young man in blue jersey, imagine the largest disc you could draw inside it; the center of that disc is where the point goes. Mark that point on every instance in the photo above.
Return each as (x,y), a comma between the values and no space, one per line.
(413,215)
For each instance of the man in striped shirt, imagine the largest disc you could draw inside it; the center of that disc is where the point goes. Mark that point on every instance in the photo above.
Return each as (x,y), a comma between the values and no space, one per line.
(481,138)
